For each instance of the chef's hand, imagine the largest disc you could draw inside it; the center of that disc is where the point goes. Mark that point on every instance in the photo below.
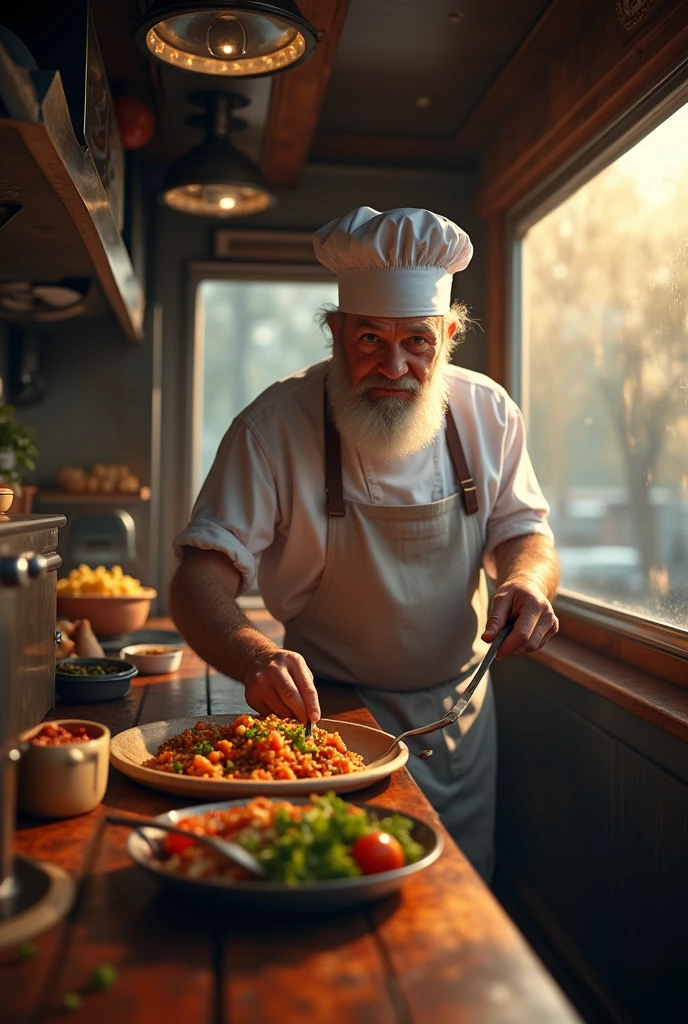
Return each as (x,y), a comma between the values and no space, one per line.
(281,683)
(535,621)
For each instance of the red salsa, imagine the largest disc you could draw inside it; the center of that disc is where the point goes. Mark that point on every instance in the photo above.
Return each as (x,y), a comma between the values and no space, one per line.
(52,735)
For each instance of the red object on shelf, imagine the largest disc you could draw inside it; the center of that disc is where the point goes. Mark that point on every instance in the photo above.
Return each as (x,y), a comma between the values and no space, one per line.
(135,121)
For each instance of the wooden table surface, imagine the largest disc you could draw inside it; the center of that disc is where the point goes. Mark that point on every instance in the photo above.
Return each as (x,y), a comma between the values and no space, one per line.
(441,950)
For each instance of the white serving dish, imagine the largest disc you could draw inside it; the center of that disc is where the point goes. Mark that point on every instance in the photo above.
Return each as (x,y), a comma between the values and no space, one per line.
(129,749)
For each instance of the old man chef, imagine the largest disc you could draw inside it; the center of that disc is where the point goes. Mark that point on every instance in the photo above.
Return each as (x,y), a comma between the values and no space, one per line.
(370,495)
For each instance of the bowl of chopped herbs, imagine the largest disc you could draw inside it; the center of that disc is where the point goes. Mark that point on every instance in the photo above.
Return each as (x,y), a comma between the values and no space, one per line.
(90,680)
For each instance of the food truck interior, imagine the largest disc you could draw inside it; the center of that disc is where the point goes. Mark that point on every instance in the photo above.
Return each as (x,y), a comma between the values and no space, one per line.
(158,198)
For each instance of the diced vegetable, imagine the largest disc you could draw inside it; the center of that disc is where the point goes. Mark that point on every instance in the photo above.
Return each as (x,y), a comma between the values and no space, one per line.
(104,977)
(72,1001)
(26,951)
(174,843)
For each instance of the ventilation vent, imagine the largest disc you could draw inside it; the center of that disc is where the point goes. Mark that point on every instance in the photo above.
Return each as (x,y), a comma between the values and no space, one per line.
(265,246)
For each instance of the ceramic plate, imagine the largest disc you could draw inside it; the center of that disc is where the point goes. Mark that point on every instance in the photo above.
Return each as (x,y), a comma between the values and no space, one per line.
(309,897)
(129,749)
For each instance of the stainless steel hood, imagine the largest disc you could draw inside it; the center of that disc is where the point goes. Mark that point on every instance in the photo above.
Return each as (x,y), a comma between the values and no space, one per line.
(58,222)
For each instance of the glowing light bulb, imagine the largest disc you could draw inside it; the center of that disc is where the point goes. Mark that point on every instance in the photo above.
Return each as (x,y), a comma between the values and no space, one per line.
(227,203)
(226,37)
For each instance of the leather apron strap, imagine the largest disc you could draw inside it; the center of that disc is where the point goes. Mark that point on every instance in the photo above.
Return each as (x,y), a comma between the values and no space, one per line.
(333,466)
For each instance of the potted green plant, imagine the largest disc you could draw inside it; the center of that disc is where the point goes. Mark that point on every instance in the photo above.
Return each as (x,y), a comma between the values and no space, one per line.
(17,451)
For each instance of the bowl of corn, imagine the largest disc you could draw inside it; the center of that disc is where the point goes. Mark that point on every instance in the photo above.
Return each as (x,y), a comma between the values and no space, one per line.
(113,602)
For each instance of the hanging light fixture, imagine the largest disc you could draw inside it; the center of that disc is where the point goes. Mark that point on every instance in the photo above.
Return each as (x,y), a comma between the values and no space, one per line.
(240,38)
(216,179)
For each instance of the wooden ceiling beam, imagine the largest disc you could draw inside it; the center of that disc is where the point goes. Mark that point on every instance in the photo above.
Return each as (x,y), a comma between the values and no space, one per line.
(297,98)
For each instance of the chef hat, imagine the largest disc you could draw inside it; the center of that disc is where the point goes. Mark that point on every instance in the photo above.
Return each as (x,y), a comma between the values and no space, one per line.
(397,263)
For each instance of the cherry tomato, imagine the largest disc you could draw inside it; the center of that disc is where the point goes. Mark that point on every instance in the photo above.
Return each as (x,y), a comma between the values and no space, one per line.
(378,851)
(175,844)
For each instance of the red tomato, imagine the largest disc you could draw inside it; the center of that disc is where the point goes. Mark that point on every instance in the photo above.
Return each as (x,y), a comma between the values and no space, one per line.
(175,844)
(378,851)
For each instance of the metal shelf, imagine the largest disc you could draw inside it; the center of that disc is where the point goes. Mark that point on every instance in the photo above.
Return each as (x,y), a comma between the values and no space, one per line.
(66,226)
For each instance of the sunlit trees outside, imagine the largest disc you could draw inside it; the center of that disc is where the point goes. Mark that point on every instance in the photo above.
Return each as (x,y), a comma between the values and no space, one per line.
(605,335)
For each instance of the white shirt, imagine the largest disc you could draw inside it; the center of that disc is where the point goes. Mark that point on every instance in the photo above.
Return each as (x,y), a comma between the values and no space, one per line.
(263,502)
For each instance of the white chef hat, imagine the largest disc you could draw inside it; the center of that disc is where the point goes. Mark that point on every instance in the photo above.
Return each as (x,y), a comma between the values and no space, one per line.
(396,263)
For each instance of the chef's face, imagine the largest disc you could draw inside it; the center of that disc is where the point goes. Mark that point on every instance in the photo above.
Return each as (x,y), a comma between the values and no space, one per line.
(391,357)
(386,387)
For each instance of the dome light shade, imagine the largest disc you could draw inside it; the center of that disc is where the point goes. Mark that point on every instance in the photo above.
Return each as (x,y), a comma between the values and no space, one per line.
(234,38)
(216,179)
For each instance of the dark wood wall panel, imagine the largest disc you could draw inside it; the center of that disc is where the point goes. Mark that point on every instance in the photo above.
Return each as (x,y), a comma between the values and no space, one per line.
(593,842)
(578,70)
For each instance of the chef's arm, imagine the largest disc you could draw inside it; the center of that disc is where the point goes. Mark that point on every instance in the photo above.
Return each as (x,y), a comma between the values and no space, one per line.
(526,583)
(205,611)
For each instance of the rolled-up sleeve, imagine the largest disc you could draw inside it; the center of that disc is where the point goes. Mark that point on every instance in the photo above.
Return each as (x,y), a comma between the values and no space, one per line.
(237,509)
(520,507)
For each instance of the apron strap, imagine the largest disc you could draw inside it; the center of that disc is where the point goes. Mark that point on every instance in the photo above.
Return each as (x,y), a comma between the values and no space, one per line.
(333,466)
(461,470)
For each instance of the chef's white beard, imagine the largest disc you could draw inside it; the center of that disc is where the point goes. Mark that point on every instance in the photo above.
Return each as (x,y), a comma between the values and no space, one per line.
(387,428)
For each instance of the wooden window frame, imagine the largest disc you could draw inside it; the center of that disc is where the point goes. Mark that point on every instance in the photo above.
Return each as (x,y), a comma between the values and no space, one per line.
(653,648)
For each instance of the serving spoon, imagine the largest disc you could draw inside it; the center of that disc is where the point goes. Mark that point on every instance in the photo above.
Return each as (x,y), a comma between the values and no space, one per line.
(230,851)
(462,703)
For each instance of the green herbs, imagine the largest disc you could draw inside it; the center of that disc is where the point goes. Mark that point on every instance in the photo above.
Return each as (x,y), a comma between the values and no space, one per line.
(26,951)
(16,439)
(318,845)
(105,976)
(297,735)
(255,732)
(205,748)
(67,668)
(178,767)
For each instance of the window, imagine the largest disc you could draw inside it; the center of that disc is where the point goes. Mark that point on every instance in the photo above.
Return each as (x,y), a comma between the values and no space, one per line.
(250,334)
(604,350)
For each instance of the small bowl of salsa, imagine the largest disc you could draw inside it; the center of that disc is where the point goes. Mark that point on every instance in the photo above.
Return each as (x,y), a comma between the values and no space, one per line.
(63,768)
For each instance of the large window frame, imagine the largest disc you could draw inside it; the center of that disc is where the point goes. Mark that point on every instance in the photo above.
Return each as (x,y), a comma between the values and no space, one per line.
(586,618)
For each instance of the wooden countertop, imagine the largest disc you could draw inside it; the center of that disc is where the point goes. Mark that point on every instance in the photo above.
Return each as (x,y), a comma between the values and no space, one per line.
(442,950)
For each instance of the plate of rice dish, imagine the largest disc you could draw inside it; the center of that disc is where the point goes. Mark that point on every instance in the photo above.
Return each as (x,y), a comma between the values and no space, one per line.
(320,846)
(243,755)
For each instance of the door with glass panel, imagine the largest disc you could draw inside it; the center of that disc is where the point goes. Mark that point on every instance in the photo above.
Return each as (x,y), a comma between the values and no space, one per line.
(248,335)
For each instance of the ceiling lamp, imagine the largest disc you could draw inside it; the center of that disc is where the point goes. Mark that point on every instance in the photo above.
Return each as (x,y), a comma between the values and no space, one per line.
(216,179)
(240,38)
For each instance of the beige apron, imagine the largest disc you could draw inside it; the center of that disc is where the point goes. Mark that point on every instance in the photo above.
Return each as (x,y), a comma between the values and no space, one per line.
(398,614)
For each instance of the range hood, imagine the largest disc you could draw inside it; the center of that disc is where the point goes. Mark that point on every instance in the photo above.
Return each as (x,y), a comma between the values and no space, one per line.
(56,221)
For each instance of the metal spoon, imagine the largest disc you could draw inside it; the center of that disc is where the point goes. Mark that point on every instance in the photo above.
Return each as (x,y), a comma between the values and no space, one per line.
(231,851)
(455,713)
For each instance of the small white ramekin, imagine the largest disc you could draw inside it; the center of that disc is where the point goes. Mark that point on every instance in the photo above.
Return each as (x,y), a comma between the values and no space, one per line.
(153,664)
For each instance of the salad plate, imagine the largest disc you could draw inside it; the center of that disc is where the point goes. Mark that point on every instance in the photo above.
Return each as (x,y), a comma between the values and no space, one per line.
(274,896)
(129,749)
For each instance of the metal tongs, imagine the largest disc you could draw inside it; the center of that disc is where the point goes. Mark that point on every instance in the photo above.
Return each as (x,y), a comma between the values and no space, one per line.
(462,703)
